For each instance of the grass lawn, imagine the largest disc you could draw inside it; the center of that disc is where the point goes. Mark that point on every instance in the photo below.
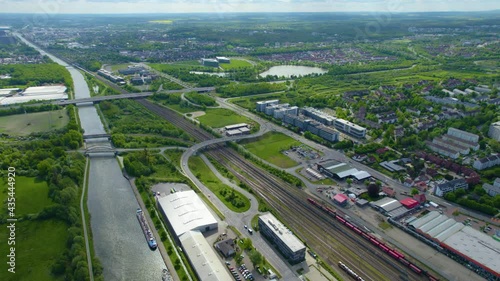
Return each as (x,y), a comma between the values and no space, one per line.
(38,245)
(235,63)
(222,191)
(31,195)
(220,117)
(25,124)
(269,147)
(115,67)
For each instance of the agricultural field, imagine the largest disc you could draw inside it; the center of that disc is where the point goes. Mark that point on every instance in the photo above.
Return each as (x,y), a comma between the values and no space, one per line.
(25,124)
(220,117)
(269,147)
(235,63)
(233,199)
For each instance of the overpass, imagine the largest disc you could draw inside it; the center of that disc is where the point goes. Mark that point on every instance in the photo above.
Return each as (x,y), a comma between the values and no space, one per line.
(96,136)
(129,96)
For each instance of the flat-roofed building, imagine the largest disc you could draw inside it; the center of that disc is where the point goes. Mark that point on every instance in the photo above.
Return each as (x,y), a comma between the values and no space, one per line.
(318,115)
(223,60)
(203,258)
(349,128)
(328,133)
(288,244)
(210,62)
(261,105)
(236,126)
(184,211)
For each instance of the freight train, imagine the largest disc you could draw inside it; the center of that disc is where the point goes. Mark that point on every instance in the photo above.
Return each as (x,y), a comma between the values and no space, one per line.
(350,272)
(381,245)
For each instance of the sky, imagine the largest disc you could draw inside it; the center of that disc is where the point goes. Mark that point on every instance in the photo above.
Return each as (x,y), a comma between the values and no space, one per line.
(229,6)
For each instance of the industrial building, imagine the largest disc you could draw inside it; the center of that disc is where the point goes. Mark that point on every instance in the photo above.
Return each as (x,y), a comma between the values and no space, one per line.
(288,244)
(392,166)
(473,246)
(203,258)
(494,131)
(349,128)
(57,92)
(487,162)
(238,132)
(236,126)
(184,211)
(442,189)
(210,62)
(341,171)
(223,60)
(409,203)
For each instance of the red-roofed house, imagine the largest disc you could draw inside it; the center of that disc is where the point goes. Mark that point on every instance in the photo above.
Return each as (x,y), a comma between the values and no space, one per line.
(420,198)
(389,191)
(382,150)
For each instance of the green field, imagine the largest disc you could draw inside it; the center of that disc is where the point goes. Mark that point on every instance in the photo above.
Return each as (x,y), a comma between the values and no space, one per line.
(162,21)
(31,195)
(236,201)
(220,117)
(235,63)
(25,124)
(269,147)
(38,243)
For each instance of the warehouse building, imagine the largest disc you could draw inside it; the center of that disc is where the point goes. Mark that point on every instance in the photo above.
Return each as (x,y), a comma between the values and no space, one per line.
(42,93)
(341,171)
(203,258)
(349,128)
(409,203)
(184,211)
(475,247)
(288,244)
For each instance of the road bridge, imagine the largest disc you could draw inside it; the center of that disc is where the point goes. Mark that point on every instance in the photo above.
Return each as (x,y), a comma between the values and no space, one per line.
(96,136)
(129,96)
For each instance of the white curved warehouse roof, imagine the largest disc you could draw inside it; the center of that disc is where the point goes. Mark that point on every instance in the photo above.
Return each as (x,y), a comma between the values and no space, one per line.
(185,211)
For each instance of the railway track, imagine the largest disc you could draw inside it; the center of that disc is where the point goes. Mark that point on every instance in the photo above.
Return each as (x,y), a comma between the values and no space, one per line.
(322,231)
(308,222)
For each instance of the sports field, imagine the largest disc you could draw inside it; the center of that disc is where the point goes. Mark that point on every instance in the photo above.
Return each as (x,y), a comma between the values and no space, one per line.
(270,146)
(235,63)
(25,124)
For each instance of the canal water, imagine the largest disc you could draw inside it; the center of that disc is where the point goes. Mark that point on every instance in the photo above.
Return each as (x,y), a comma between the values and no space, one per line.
(119,242)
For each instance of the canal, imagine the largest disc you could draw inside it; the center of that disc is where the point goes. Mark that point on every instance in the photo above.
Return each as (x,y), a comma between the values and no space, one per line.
(119,242)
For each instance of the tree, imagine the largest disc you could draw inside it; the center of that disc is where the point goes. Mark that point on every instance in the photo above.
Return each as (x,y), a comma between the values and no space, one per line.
(349,182)
(373,190)
(414,191)
(255,258)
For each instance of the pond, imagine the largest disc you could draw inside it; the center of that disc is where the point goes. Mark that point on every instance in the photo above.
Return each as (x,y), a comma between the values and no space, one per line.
(289,70)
